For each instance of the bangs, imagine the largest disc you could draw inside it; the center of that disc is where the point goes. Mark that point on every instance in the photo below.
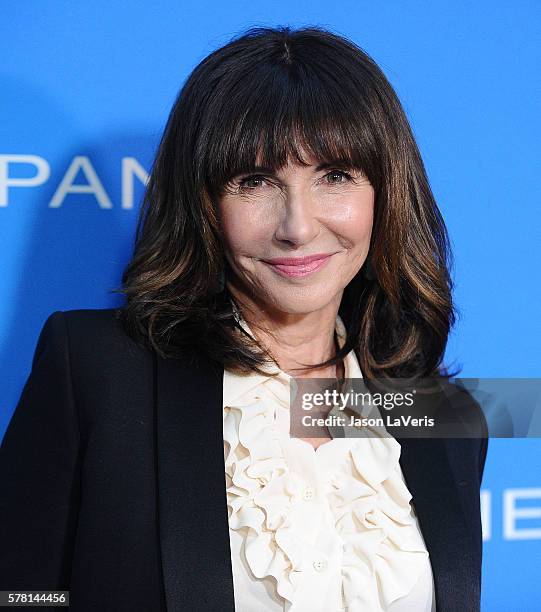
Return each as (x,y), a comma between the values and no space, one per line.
(281,113)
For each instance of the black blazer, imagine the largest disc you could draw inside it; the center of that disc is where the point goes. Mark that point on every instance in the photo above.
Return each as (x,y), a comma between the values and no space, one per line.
(112,481)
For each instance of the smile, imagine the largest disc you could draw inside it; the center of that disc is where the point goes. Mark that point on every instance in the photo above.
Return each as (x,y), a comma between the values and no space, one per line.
(298,266)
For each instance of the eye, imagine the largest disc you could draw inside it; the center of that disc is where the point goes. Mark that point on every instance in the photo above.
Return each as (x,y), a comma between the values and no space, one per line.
(249,183)
(340,174)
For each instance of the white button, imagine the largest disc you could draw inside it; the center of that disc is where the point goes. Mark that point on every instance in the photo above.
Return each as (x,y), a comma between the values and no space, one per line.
(320,565)
(308,494)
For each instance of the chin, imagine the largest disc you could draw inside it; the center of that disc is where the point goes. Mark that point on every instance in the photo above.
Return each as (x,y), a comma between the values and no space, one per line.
(301,300)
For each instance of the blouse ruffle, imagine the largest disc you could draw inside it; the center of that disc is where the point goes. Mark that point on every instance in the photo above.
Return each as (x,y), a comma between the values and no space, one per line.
(360,527)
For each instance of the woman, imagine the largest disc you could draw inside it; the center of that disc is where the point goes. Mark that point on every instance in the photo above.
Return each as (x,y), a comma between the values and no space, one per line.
(288,229)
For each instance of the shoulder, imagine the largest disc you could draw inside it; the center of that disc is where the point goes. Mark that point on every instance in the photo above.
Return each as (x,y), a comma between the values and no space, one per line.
(94,340)
(91,329)
(82,322)
(92,359)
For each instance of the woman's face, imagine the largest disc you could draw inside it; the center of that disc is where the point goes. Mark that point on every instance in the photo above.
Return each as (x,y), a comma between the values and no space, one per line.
(270,222)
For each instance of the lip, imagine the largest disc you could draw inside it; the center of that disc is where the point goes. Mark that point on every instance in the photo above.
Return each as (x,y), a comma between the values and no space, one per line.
(297,261)
(298,266)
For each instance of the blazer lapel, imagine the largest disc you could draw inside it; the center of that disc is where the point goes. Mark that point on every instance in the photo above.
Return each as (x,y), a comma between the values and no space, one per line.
(192,503)
(446,529)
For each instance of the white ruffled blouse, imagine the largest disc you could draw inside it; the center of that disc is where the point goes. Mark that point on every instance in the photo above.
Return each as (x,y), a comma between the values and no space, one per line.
(323,530)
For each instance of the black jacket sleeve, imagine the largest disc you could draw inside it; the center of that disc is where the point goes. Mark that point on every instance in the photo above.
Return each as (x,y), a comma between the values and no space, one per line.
(39,471)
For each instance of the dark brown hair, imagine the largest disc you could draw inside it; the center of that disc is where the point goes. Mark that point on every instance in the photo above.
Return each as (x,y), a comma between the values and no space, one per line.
(274,92)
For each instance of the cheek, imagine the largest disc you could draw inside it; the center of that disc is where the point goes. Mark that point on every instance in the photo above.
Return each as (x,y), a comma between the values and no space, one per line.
(245,229)
(353,221)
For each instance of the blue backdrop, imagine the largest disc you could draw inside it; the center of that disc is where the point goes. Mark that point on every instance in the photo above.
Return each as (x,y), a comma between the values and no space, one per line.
(86,88)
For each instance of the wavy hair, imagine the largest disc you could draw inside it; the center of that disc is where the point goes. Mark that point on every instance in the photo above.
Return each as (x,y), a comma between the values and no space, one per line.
(276,92)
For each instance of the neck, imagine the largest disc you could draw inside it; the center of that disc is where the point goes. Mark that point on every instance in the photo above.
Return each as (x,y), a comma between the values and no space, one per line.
(295,340)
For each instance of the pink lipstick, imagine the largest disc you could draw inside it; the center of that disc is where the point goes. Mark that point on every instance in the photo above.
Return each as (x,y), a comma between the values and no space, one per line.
(298,266)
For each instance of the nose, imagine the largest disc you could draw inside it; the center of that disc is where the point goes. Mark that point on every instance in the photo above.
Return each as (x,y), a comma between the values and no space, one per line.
(298,224)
